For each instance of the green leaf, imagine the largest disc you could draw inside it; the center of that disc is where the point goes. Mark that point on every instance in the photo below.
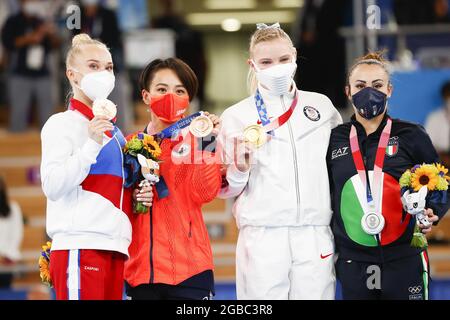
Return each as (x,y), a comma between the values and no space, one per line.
(140,208)
(419,240)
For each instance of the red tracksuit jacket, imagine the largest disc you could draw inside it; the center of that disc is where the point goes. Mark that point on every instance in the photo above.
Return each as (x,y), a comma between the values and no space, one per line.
(170,244)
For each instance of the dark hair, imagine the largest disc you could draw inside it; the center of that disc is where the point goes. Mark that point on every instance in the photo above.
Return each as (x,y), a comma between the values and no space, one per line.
(445,90)
(5,209)
(371,58)
(181,69)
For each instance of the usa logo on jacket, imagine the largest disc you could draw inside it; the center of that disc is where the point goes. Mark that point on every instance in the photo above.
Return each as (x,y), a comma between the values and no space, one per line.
(311,113)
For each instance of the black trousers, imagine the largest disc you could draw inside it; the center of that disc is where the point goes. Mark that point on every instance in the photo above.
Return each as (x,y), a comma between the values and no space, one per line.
(161,291)
(402,279)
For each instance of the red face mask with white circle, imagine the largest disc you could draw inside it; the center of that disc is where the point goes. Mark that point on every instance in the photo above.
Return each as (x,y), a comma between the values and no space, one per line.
(169,107)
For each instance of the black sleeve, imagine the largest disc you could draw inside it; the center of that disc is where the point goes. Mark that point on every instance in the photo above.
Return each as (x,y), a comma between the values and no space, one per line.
(112,37)
(9,34)
(425,152)
(112,34)
(330,176)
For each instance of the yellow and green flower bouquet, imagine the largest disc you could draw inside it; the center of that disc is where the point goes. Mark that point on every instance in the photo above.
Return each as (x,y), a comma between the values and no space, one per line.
(426,183)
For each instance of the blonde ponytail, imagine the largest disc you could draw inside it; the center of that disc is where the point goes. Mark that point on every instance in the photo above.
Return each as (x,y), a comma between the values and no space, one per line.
(78,42)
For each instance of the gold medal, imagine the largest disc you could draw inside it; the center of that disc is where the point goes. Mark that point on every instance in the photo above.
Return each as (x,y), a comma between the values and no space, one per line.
(255,135)
(201,126)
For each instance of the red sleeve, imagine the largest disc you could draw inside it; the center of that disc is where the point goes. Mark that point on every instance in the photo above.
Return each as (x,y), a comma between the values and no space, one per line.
(206,179)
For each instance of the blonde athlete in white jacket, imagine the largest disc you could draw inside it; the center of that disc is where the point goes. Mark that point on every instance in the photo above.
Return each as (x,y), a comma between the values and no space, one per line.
(283,211)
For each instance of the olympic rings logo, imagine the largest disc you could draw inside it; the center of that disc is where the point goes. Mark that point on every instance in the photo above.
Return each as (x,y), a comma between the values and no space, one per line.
(415,290)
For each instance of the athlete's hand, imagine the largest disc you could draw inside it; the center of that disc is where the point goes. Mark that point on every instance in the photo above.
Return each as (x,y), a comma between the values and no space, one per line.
(216,122)
(432,218)
(243,154)
(144,195)
(97,126)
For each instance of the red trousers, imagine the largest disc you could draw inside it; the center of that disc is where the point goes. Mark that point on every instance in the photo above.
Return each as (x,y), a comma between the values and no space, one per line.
(87,274)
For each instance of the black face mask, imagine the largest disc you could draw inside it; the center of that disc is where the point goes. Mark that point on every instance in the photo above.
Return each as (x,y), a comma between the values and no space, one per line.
(369,102)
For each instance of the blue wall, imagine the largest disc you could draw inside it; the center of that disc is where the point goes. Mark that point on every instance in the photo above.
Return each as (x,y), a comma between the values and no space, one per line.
(417,93)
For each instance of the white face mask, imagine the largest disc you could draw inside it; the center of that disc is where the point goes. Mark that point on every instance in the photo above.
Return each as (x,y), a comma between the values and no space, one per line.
(278,79)
(97,85)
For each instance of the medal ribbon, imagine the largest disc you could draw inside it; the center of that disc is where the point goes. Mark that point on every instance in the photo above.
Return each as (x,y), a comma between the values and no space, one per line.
(79,106)
(278,122)
(161,187)
(174,129)
(371,193)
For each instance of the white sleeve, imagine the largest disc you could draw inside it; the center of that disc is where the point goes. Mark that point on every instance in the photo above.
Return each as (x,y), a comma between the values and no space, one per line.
(428,126)
(64,166)
(336,118)
(236,180)
(16,232)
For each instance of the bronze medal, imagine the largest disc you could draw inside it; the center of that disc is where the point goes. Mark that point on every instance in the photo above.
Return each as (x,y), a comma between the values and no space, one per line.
(201,126)
(104,107)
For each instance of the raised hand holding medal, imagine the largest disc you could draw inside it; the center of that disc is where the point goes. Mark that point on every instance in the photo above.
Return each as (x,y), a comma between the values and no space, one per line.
(258,135)
(204,125)
(101,118)
(243,153)
(104,107)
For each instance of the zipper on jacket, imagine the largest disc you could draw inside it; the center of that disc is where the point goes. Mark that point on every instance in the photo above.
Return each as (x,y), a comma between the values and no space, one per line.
(123,171)
(294,153)
(152,273)
(190,229)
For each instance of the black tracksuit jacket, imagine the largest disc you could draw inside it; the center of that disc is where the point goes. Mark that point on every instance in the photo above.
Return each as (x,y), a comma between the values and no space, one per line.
(409,145)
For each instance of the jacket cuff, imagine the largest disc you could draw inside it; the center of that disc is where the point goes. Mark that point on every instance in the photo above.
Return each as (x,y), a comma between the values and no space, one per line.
(90,150)
(237,176)
(439,210)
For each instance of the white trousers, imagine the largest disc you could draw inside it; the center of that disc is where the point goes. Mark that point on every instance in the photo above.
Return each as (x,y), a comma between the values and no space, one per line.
(281,263)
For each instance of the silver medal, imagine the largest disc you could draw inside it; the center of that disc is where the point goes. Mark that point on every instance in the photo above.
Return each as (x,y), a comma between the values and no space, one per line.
(372,223)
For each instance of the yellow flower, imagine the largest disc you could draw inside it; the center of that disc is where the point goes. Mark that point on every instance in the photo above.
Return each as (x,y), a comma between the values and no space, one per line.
(441,168)
(425,175)
(149,140)
(44,271)
(442,171)
(405,179)
(442,184)
(44,264)
(47,246)
(152,147)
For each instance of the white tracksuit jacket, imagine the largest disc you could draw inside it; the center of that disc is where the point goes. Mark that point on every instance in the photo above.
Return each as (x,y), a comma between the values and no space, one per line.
(83,182)
(287,184)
